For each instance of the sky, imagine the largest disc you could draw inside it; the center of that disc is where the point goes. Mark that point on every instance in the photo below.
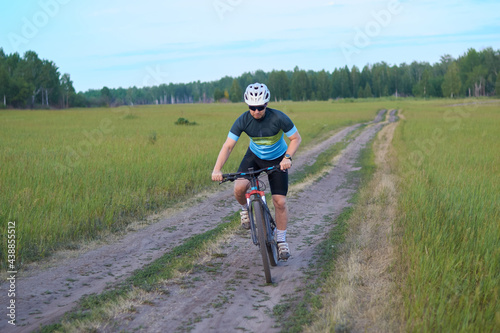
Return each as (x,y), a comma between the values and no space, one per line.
(125,43)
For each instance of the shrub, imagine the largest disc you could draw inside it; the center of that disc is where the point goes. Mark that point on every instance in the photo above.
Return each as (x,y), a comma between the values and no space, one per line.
(183,121)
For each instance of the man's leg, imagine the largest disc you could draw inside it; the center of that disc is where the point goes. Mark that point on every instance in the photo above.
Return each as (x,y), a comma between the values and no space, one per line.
(240,189)
(241,185)
(281,212)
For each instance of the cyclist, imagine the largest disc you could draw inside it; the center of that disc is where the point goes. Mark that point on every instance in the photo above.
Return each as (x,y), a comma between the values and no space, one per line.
(266,128)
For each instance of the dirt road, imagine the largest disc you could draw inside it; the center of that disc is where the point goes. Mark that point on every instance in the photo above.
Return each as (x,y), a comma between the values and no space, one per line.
(230,296)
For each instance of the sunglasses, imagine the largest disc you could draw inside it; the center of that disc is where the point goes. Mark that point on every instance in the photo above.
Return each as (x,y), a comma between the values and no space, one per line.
(257,108)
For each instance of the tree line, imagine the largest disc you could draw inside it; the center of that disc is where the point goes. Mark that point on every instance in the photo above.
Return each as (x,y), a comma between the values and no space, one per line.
(30,82)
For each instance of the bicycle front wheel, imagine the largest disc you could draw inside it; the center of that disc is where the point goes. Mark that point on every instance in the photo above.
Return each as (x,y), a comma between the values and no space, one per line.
(260,224)
(272,246)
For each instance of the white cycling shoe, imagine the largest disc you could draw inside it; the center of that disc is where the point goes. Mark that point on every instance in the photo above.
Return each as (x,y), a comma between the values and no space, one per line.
(245,221)
(284,251)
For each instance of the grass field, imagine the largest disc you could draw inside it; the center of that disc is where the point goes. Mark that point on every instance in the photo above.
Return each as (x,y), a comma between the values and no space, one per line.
(449,161)
(73,175)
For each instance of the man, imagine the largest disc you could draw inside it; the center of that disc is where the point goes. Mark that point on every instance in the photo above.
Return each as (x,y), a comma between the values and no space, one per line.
(266,128)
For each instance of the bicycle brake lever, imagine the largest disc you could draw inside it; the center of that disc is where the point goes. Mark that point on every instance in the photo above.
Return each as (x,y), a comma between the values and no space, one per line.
(226,180)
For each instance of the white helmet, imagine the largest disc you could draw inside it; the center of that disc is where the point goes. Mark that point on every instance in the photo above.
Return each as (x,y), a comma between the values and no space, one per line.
(257,94)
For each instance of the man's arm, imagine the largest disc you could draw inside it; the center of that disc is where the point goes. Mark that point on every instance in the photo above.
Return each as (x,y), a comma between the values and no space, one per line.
(224,153)
(295,140)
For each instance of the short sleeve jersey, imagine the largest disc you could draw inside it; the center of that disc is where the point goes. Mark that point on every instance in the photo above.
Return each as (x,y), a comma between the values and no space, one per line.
(266,134)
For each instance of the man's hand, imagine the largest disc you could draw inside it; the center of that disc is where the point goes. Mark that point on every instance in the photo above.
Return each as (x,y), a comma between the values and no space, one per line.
(217,176)
(285,164)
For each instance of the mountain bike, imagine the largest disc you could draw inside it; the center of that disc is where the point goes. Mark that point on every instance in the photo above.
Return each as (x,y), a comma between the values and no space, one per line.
(262,224)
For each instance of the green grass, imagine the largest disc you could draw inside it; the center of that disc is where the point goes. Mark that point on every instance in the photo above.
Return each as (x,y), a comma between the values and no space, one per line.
(74,175)
(449,161)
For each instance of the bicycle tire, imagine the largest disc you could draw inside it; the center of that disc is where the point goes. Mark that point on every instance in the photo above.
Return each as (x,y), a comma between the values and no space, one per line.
(260,224)
(272,246)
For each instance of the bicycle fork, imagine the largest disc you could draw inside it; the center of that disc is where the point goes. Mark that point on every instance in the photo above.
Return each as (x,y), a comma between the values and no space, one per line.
(254,197)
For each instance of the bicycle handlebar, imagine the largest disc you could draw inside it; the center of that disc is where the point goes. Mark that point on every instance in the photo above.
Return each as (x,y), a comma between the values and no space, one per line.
(247,174)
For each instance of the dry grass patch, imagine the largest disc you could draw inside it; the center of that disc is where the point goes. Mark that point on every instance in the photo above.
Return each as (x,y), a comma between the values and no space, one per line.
(125,305)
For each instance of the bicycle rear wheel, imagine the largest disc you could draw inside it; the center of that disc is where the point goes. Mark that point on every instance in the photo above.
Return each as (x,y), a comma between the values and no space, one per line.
(260,224)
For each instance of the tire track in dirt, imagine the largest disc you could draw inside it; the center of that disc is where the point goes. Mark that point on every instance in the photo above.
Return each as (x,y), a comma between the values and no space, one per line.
(43,296)
(233,296)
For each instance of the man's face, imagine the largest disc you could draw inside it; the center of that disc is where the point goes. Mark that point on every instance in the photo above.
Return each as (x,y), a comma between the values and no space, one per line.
(258,112)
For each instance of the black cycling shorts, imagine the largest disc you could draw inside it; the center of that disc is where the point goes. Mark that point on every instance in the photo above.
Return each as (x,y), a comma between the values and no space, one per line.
(278,180)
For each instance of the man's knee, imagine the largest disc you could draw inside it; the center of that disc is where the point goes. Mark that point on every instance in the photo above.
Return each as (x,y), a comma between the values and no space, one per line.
(279,202)
(240,187)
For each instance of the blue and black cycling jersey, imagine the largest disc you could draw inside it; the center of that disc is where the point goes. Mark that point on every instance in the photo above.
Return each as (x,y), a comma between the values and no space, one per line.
(266,135)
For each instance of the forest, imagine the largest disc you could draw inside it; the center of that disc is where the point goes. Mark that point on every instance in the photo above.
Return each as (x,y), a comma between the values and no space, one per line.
(30,82)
